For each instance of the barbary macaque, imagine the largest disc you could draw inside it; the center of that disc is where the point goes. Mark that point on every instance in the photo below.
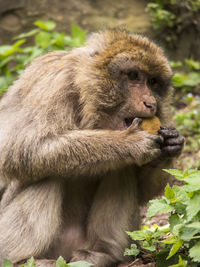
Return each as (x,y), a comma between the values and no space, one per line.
(75,165)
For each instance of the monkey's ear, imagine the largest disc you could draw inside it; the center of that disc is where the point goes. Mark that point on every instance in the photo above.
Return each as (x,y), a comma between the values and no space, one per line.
(96,42)
(94,53)
(87,51)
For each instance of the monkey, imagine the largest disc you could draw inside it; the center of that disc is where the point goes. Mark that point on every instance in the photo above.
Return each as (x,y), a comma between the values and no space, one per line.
(75,166)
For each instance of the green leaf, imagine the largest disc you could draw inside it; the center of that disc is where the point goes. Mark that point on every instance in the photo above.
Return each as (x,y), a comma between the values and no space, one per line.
(80,264)
(146,245)
(78,37)
(193,206)
(194,252)
(180,80)
(59,39)
(195,77)
(177,228)
(180,194)
(192,182)
(177,173)
(181,263)
(169,193)
(45,25)
(174,220)
(158,206)
(7,50)
(188,231)
(62,263)
(34,52)
(27,34)
(170,240)
(43,39)
(175,64)
(7,263)
(133,251)
(180,208)
(77,32)
(193,64)
(137,235)
(191,188)
(175,248)
(30,262)
(18,43)
(5,61)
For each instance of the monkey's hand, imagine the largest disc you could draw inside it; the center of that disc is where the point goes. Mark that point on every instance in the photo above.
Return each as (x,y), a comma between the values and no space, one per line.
(173,142)
(143,146)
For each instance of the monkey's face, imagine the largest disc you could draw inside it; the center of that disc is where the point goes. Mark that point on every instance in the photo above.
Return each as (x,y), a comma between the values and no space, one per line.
(136,89)
(132,80)
(139,88)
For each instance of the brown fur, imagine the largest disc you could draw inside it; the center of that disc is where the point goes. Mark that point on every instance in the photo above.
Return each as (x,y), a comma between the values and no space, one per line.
(73,177)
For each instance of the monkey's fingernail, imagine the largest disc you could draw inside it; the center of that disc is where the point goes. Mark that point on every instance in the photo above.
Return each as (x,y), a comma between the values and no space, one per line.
(139,120)
(160,140)
(163,127)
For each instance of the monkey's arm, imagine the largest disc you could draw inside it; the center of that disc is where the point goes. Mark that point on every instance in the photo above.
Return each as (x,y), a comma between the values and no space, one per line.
(78,152)
(151,178)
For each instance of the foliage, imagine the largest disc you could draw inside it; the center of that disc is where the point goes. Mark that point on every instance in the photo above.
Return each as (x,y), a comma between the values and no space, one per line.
(171,17)
(13,58)
(178,243)
(186,81)
(59,263)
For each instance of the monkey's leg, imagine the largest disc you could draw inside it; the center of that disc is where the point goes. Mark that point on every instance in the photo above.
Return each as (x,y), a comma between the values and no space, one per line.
(114,211)
(30,222)
(9,193)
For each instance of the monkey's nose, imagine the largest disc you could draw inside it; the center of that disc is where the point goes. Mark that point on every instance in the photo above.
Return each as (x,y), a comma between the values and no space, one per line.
(150,105)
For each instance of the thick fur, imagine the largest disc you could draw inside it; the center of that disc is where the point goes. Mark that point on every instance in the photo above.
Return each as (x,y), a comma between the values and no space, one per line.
(71,177)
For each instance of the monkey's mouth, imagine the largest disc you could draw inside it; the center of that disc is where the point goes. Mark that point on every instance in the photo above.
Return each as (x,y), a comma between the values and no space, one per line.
(128,122)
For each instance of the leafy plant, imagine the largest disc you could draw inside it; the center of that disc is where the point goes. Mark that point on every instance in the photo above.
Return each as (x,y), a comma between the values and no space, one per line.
(178,243)
(62,263)
(186,81)
(59,263)
(188,78)
(14,58)
(171,17)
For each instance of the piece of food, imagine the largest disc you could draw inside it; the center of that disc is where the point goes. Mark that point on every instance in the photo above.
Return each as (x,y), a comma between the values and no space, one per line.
(151,125)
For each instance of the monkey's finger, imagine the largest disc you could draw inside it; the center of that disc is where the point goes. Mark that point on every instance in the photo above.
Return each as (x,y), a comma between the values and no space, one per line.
(168,133)
(135,124)
(172,150)
(167,128)
(175,141)
(157,138)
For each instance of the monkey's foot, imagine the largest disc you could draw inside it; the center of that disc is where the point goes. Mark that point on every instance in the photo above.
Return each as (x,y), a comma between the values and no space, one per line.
(98,259)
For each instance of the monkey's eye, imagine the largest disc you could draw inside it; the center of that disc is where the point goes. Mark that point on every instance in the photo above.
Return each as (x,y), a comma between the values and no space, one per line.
(133,75)
(152,81)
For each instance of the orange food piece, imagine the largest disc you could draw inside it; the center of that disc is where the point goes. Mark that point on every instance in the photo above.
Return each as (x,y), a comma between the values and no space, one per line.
(151,125)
